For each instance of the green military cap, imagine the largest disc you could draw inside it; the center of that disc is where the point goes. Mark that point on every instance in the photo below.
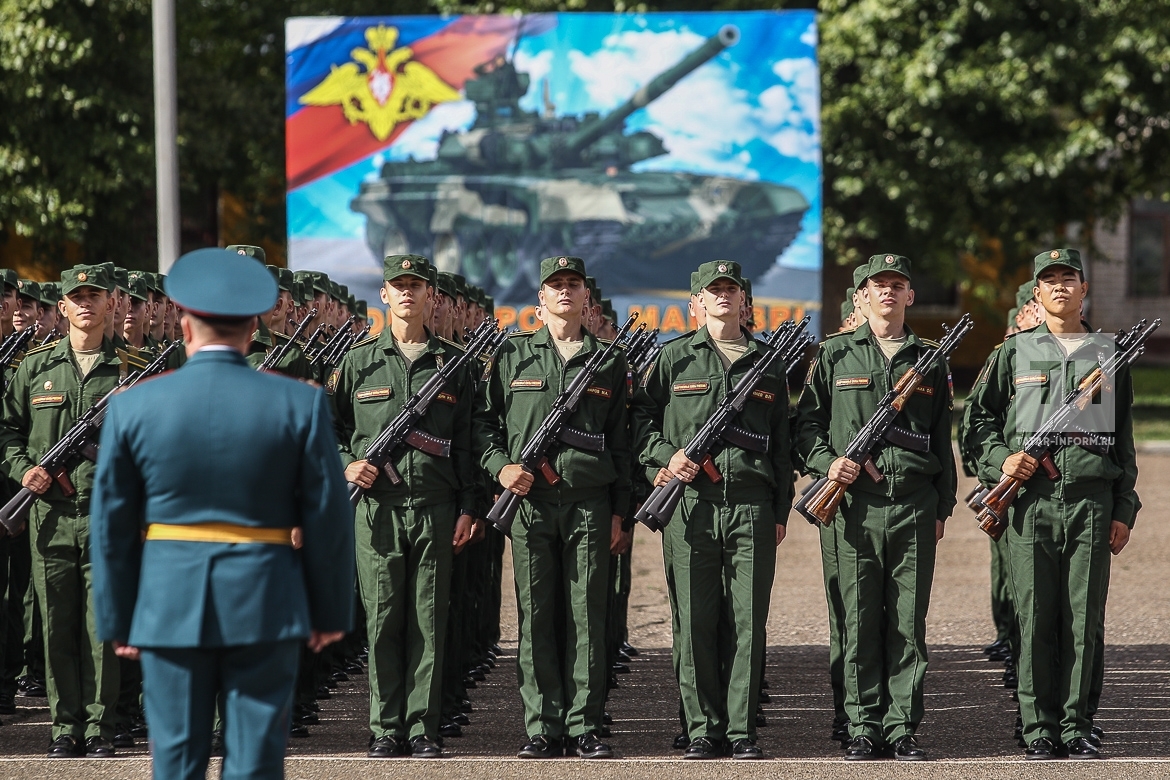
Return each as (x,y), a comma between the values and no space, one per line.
(9,277)
(407,265)
(149,278)
(882,263)
(747,287)
(254,252)
(283,277)
(334,291)
(317,281)
(97,276)
(300,293)
(50,293)
(489,304)
(460,285)
(136,288)
(1024,294)
(342,293)
(607,310)
(1011,318)
(695,283)
(351,303)
(1070,258)
(27,288)
(849,295)
(594,290)
(719,269)
(220,283)
(846,309)
(445,283)
(860,274)
(361,309)
(553,265)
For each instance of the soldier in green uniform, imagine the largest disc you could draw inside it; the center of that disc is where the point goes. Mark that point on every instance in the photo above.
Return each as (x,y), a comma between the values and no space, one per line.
(9,300)
(719,549)
(885,532)
(52,387)
(407,533)
(1060,533)
(562,533)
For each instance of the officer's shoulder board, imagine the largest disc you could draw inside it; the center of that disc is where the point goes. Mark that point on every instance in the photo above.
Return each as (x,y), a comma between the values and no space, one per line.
(364,342)
(42,348)
(452,344)
(517,333)
(931,343)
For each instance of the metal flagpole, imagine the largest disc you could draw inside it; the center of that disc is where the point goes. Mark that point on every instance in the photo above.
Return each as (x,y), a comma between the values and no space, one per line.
(166,130)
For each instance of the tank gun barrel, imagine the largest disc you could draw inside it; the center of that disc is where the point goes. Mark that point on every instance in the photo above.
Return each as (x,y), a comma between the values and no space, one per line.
(728,35)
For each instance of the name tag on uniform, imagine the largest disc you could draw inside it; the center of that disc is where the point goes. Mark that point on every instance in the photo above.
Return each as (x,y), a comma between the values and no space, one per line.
(924,390)
(763,395)
(375,394)
(599,391)
(853,381)
(527,384)
(446,398)
(1031,379)
(48,399)
(686,388)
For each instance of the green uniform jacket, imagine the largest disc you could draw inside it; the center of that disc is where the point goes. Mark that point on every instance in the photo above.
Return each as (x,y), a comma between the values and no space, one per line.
(994,435)
(46,397)
(369,389)
(293,364)
(962,435)
(849,375)
(526,377)
(681,391)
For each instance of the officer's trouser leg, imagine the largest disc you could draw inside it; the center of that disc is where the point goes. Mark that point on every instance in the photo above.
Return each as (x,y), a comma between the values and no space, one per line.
(749,567)
(179,690)
(836,622)
(909,563)
(404,571)
(82,673)
(1085,575)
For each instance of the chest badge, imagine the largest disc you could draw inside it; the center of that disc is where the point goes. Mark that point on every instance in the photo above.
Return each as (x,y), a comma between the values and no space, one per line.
(48,384)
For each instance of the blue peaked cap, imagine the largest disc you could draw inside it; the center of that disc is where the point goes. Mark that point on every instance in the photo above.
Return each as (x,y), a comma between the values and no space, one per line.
(220,283)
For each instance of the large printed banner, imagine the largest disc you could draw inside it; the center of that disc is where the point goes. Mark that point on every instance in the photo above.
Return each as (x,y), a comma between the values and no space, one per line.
(644,143)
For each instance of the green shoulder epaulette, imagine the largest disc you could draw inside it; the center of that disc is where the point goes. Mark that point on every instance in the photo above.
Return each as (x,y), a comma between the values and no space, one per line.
(451,343)
(931,343)
(42,348)
(516,333)
(365,341)
(686,335)
(838,333)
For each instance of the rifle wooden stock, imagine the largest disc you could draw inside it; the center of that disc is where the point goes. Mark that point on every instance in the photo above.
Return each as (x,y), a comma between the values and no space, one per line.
(709,469)
(992,505)
(819,503)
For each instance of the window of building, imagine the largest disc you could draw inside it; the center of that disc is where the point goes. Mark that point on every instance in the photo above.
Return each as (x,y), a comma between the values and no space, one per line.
(1149,249)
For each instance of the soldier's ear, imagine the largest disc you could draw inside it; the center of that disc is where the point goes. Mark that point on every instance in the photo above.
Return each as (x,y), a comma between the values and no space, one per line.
(384,293)
(910,298)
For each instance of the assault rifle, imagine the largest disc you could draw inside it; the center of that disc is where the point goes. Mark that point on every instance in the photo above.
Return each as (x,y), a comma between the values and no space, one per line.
(992,504)
(402,429)
(13,346)
(534,456)
(333,343)
(819,501)
(79,440)
(659,506)
(277,353)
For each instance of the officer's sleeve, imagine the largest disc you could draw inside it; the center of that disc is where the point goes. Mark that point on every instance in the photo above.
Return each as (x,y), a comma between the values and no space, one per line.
(489,435)
(647,409)
(781,457)
(341,402)
(814,411)
(116,519)
(946,481)
(1125,498)
(14,426)
(617,438)
(327,522)
(462,459)
(989,401)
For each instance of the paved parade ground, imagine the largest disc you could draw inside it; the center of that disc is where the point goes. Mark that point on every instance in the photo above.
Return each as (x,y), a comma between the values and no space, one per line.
(969,717)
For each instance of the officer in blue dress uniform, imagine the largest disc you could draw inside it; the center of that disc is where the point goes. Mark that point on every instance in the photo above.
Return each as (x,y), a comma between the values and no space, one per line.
(205,478)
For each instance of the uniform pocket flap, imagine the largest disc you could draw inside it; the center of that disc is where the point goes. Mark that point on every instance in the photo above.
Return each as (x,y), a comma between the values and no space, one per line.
(856,382)
(48,399)
(528,383)
(373,394)
(690,387)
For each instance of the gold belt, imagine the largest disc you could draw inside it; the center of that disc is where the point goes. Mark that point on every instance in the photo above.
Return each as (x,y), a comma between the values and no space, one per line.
(226,533)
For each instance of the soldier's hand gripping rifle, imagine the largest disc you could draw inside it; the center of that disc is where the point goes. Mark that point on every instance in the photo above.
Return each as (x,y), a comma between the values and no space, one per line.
(277,353)
(992,504)
(80,440)
(819,501)
(402,429)
(659,506)
(534,456)
(13,346)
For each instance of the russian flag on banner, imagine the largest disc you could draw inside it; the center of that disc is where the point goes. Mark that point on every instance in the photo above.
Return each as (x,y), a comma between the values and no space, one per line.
(353,86)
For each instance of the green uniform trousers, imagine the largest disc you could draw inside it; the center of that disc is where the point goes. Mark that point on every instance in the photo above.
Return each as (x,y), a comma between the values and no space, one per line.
(722,560)
(885,554)
(455,657)
(1002,612)
(404,559)
(255,683)
(1059,553)
(560,554)
(81,672)
(836,622)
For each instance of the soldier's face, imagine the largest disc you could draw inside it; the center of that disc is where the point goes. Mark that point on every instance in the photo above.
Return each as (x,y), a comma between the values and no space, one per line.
(722,299)
(87,308)
(158,313)
(407,296)
(1061,290)
(135,315)
(888,294)
(8,304)
(27,313)
(47,321)
(696,310)
(564,294)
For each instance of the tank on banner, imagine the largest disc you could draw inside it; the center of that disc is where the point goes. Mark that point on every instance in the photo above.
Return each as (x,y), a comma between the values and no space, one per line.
(645,143)
(521,185)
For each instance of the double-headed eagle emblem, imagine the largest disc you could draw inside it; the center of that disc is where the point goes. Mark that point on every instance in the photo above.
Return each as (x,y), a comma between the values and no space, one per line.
(383,87)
